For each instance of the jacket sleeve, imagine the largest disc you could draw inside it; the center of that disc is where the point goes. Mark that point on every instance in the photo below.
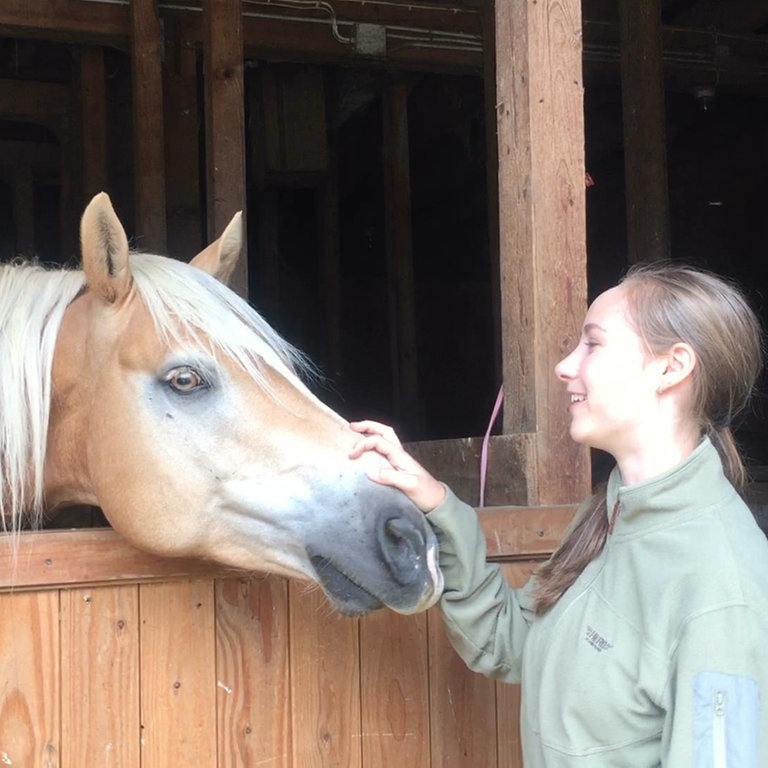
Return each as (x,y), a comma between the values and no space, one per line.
(716,698)
(486,620)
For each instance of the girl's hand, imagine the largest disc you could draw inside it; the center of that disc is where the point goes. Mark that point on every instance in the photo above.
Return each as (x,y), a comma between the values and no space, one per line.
(404,471)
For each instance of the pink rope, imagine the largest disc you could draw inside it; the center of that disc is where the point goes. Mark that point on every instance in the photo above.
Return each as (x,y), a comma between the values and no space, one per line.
(484,449)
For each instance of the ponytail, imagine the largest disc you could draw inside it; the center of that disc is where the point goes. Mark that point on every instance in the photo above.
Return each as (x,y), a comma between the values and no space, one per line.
(581,545)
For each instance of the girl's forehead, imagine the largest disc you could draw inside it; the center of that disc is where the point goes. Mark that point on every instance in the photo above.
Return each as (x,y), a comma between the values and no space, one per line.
(609,309)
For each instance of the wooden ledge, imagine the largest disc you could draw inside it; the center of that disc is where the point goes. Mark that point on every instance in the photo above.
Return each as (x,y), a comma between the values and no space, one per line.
(95,556)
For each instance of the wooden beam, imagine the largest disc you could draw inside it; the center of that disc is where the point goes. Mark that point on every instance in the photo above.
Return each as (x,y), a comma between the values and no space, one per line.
(645,147)
(399,248)
(542,239)
(225,122)
(182,148)
(95,556)
(148,128)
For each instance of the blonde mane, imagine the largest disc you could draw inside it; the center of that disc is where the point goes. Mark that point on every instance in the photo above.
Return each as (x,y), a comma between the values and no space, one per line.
(183,302)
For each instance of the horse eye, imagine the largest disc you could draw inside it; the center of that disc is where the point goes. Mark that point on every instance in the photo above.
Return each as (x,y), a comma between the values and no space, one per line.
(184,380)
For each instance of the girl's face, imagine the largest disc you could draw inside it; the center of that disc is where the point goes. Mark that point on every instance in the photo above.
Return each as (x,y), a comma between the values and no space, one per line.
(612,381)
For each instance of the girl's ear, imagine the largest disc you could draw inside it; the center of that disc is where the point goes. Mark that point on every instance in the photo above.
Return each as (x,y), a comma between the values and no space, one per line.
(680,362)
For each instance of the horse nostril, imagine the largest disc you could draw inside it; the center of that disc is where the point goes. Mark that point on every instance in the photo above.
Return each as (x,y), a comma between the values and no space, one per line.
(402,545)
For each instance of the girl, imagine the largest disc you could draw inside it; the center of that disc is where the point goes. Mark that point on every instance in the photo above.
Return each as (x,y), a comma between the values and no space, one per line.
(643,641)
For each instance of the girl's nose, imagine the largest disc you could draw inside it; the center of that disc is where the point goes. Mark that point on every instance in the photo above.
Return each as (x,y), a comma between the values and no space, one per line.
(566,368)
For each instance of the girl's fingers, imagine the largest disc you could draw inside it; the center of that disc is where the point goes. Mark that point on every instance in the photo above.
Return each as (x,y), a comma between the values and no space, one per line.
(370,427)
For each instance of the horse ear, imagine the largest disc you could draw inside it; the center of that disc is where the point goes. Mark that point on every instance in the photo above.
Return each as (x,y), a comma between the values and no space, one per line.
(105,250)
(220,257)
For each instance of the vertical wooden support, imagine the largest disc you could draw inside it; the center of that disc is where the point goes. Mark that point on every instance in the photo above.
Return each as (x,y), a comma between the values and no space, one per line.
(30,690)
(325,682)
(93,119)
(253,673)
(182,151)
(24,210)
(402,304)
(149,146)
(645,150)
(542,239)
(100,676)
(225,121)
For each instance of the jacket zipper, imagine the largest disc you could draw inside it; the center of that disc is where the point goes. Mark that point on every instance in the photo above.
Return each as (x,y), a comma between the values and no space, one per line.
(719,755)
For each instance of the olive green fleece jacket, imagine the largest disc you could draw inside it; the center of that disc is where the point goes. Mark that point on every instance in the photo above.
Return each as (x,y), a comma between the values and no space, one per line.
(656,656)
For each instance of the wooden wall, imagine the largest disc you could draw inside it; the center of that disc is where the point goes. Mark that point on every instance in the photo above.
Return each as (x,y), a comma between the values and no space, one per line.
(111,657)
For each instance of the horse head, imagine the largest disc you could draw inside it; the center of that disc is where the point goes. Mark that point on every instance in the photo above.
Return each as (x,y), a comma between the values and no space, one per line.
(176,409)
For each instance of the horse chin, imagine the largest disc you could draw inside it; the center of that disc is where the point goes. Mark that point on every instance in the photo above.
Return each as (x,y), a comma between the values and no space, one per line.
(347,596)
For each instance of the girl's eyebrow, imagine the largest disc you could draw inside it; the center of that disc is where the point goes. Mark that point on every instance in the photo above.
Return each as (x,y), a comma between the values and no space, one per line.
(590,327)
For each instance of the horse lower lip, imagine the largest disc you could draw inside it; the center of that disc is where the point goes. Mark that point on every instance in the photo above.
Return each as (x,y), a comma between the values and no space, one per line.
(348,596)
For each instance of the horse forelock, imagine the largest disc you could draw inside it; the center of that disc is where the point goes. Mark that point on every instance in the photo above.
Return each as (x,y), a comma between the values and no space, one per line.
(32,304)
(185,302)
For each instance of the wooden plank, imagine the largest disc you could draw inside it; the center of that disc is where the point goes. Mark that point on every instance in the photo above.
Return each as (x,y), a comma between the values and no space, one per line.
(399,248)
(92,557)
(522,533)
(395,690)
(182,147)
(253,674)
(462,707)
(93,120)
(542,240)
(178,674)
(325,683)
(509,474)
(86,557)
(148,127)
(225,122)
(510,748)
(100,677)
(645,146)
(29,680)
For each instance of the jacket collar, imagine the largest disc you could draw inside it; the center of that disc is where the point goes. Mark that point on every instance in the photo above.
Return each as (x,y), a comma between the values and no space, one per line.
(693,485)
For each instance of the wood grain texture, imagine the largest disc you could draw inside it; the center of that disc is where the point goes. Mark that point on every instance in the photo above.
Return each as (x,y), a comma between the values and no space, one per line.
(100,676)
(253,673)
(325,683)
(178,674)
(29,680)
(395,692)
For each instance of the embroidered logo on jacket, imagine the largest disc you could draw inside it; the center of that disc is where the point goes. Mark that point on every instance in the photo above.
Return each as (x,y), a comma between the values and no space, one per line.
(596,640)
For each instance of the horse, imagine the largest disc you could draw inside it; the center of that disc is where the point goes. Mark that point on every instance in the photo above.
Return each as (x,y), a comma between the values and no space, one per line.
(145,386)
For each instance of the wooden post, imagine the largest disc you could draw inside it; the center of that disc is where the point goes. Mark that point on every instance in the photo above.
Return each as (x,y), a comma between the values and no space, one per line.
(542,239)
(402,304)
(645,151)
(93,111)
(225,121)
(149,146)
(182,151)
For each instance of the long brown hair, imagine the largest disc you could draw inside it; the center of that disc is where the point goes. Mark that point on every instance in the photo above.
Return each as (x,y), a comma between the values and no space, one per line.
(669,303)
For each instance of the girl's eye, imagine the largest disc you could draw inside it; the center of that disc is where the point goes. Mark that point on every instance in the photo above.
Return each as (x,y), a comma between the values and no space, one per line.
(184,380)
